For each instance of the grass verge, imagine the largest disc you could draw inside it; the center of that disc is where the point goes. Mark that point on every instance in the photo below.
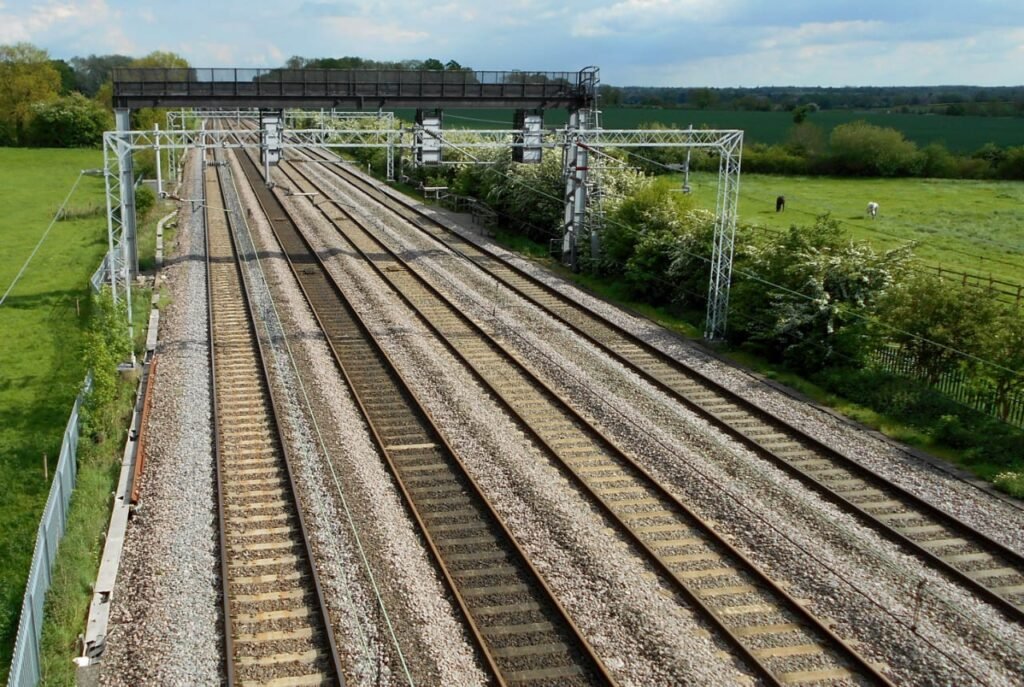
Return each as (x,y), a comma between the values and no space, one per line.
(67,601)
(69,596)
(42,366)
(42,321)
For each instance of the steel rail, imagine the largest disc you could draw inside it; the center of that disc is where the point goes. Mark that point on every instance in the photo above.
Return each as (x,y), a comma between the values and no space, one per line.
(285,659)
(457,343)
(477,598)
(745,421)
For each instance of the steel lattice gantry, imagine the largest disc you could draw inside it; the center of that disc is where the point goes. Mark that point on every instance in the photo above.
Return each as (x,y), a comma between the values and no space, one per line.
(575,141)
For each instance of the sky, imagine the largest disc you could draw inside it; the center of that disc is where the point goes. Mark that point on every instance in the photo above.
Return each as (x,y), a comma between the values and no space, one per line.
(688,43)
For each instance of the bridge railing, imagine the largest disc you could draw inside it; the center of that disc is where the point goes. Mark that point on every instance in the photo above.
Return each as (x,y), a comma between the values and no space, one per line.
(346,83)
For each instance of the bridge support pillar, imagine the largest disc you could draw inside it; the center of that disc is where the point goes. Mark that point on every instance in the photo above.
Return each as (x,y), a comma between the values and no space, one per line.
(124,157)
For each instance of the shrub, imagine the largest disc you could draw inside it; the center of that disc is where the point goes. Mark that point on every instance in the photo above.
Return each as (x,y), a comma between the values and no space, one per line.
(862,149)
(106,345)
(144,200)
(73,121)
(932,319)
(1012,165)
(811,291)
(774,160)
(1011,482)
(938,162)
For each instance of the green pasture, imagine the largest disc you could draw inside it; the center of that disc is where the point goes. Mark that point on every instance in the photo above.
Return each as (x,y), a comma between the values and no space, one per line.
(959,134)
(41,325)
(964,225)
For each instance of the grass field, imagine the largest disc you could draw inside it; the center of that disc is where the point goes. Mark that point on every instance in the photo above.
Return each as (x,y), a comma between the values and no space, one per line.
(959,134)
(40,343)
(970,226)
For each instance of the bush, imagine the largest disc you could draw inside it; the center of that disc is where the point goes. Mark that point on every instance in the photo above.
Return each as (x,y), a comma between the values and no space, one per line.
(106,345)
(938,163)
(985,441)
(73,121)
(1011,482)
(932,319)
(144,201)
(810,294)
(863,149)
(775,159)
(1012,165)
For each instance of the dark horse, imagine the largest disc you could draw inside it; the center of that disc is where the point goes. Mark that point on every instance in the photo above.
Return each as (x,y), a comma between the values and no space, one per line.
(780,203)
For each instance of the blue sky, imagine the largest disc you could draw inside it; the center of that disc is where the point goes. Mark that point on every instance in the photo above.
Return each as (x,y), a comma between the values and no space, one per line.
(634,42)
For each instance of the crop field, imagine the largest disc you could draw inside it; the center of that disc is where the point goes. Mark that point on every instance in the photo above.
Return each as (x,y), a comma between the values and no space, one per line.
(959,134)
(969,226)
(40,342)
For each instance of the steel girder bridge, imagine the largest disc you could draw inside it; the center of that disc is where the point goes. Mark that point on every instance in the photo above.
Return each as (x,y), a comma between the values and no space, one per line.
(580,142)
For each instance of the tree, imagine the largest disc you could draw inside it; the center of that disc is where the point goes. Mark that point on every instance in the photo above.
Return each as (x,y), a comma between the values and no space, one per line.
(67,76)
(159,58)
(69,122)
(610,95)
(26,77)
(813,293)
(433,64)
(702,98)
(933,320)
(93,71)
(806,140)
(1003,344)
(863,149)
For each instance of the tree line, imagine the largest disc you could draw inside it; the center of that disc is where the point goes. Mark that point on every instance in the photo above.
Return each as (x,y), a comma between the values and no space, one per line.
(433,64)
(63,104)
(67,103)
(853,149)
(987,101)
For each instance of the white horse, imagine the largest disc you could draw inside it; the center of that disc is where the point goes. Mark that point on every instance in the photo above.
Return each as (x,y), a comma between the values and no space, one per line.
(872,209)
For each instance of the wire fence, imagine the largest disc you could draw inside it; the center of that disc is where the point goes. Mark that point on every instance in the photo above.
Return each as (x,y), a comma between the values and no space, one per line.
(26,666)
(954,384)
(1004,291)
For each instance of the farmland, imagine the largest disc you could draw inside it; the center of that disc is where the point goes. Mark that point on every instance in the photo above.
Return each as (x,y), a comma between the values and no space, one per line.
(959,134)
(970,226)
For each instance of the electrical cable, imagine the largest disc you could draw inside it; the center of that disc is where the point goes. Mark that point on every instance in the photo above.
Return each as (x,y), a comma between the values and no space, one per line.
(337,481)
(46,233)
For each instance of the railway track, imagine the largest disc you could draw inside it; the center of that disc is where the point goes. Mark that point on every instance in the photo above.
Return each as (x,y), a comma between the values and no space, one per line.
(774,635)
(524,635)
(276,627)
(949,545)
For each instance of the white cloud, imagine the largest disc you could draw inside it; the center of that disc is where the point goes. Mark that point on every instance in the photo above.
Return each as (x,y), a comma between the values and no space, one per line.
(638,16)
(985,58)
(45,19)
(365,33)
(822,32)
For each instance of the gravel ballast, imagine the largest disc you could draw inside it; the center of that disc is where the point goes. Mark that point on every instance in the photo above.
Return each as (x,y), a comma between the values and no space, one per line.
(956,633)
(394,619)
(354,498)
(165,612)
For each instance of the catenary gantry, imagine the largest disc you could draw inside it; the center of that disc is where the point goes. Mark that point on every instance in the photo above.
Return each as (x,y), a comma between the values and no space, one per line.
(271,91)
